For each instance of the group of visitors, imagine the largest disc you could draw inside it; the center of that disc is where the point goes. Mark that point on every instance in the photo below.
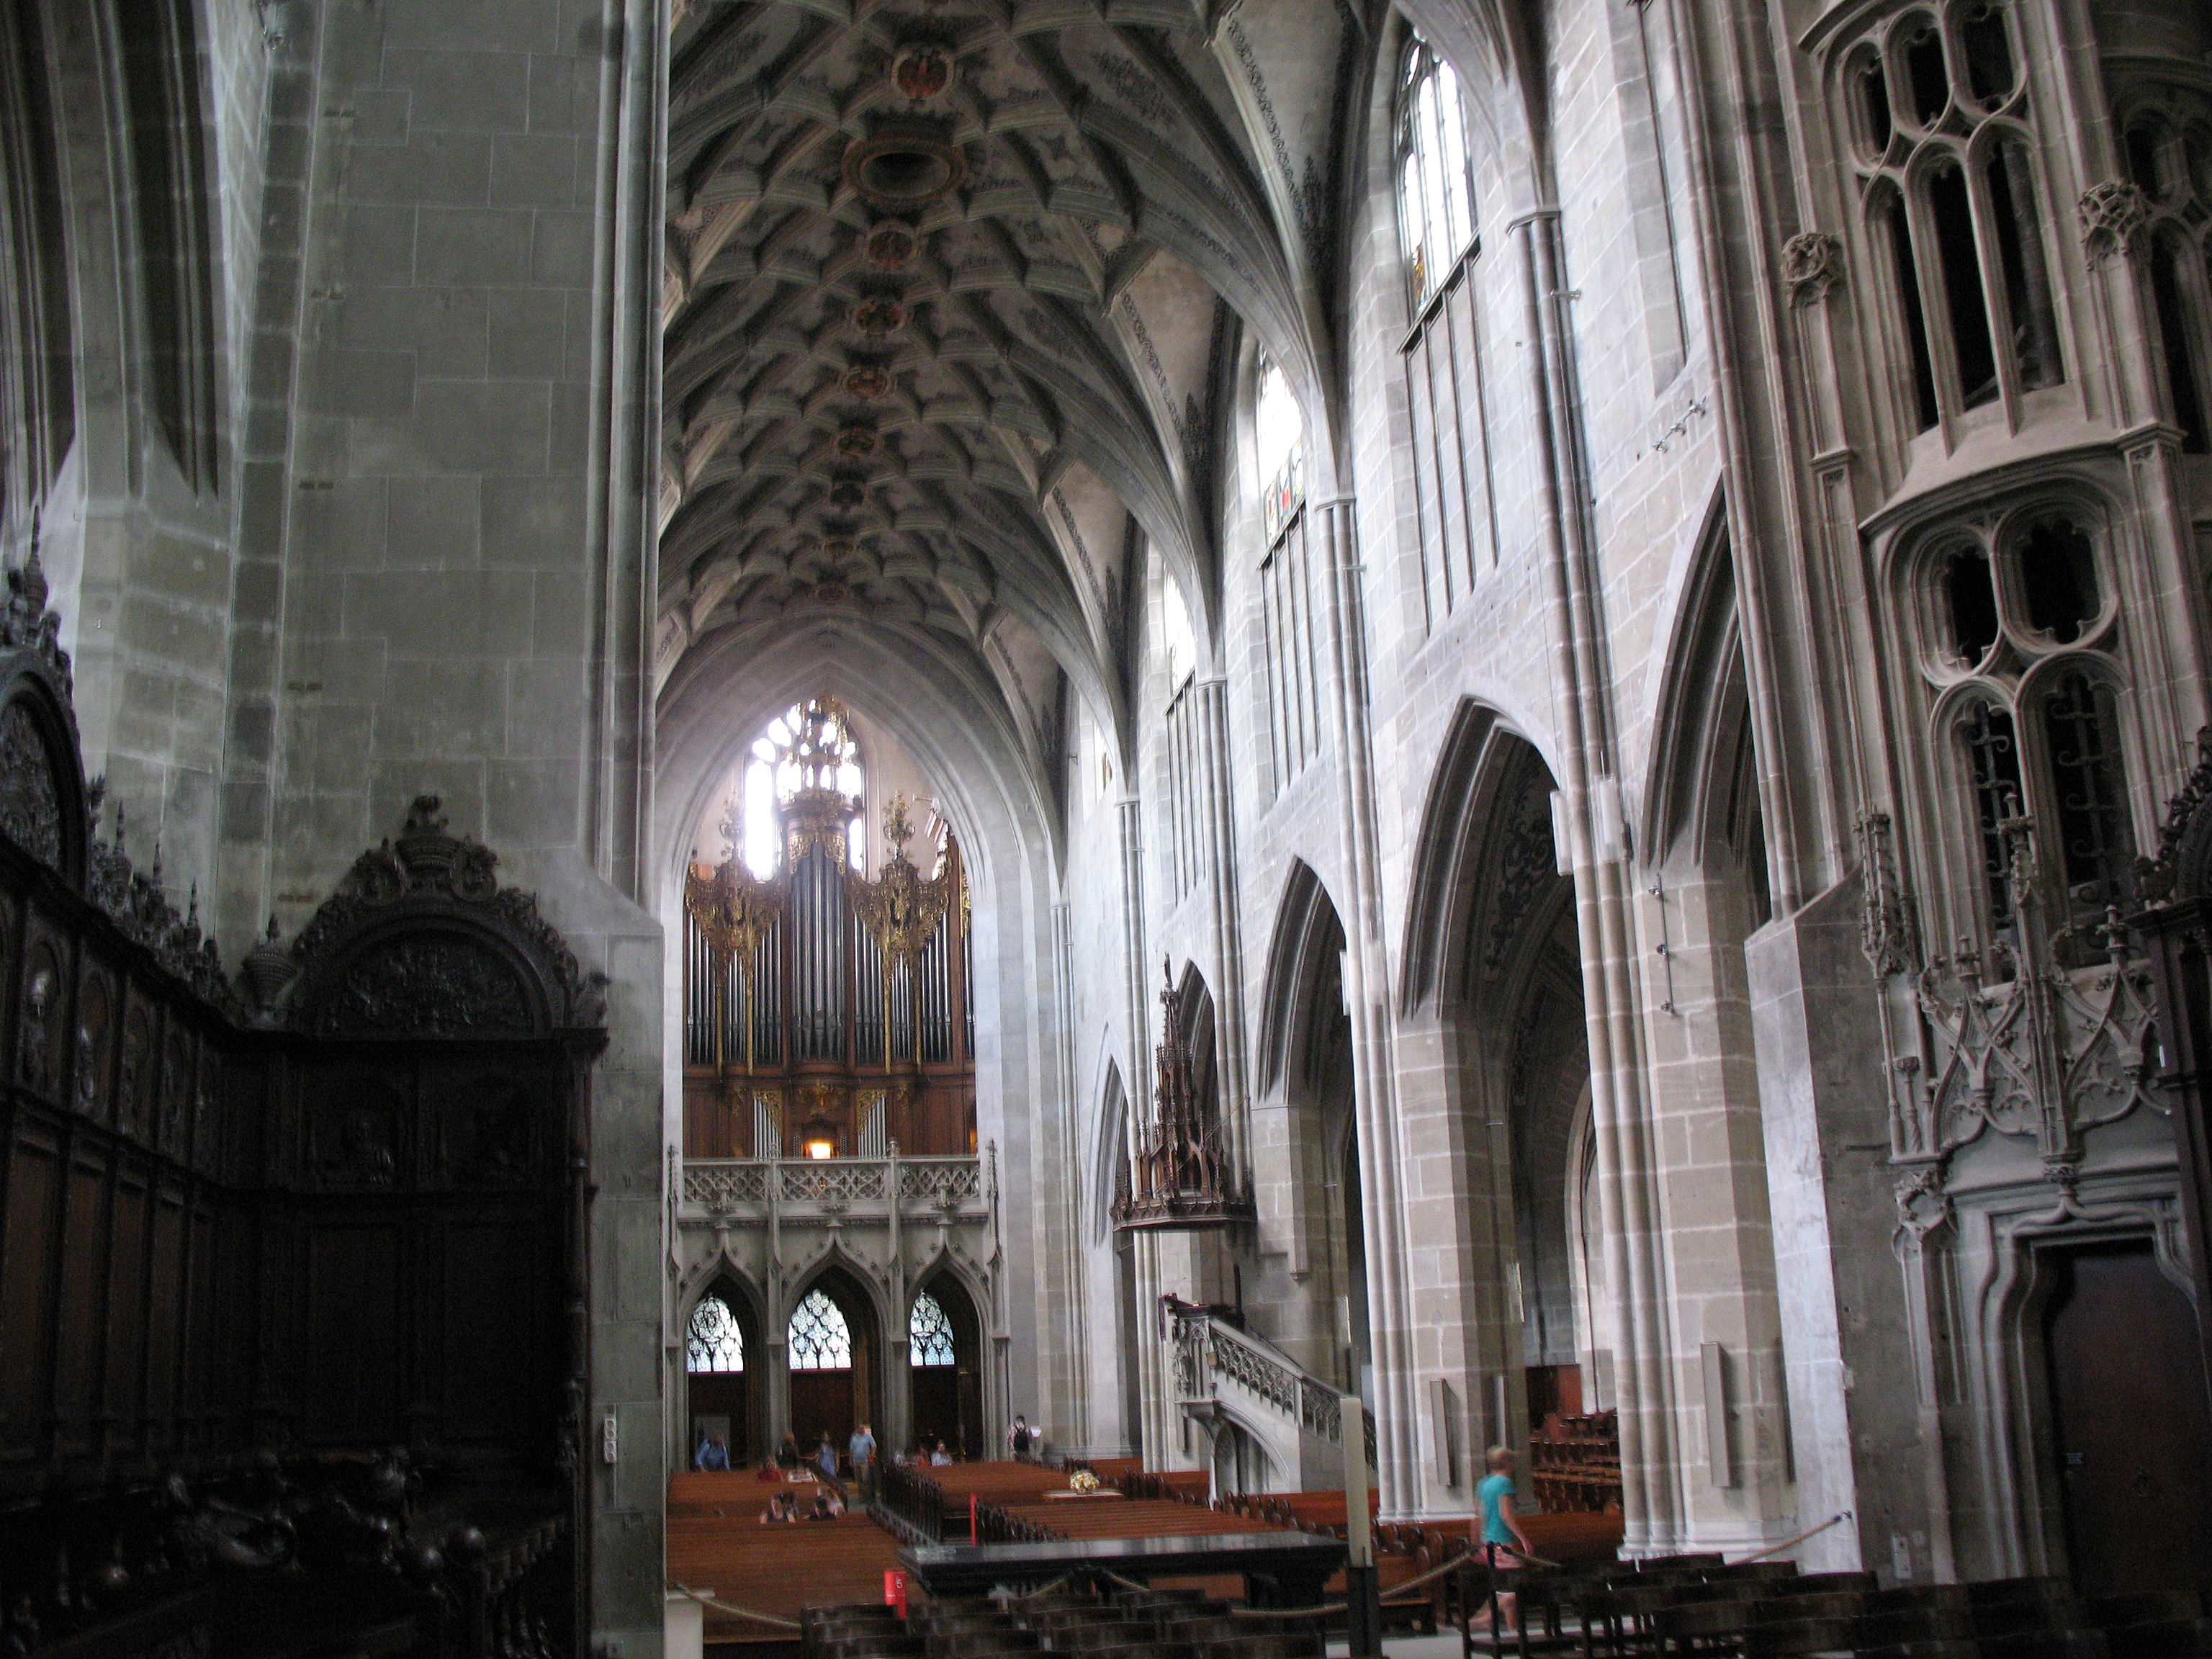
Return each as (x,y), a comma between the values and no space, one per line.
(785,1506)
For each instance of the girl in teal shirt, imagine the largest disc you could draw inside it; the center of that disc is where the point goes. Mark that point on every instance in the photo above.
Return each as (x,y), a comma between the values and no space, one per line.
(1504,1543)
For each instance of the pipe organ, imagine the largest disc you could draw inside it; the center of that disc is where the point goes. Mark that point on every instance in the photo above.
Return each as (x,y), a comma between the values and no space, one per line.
(827,1014)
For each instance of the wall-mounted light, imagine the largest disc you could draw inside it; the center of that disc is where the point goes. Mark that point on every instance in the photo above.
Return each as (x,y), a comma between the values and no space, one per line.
(822,1149)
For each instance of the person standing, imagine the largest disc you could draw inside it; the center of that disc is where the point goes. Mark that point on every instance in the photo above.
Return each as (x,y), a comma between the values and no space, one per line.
(862,1451)
(713,1456)
(1020,1438)
(1504,1545)
(825,1456)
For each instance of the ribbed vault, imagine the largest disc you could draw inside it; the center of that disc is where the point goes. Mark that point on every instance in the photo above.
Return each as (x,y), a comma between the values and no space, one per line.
(947,288)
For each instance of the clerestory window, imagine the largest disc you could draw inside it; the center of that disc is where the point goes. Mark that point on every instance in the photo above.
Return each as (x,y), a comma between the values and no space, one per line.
(1943,141)
(1436,190)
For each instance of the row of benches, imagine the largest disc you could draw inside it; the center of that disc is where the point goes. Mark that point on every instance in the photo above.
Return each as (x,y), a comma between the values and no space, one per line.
(1125,1624)
(1768,1610)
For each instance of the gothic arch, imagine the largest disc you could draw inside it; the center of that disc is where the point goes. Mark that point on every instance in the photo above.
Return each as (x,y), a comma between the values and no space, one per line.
(1306,929)
(1110,1155)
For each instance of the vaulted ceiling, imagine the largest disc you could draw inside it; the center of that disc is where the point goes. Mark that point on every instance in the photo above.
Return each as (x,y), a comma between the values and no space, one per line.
(948,287)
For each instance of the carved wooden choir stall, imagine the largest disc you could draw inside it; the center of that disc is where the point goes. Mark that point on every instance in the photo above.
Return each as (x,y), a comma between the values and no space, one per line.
(292,1274)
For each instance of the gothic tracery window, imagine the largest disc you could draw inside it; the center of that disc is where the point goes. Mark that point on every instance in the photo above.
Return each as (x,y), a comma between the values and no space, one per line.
(714,1342)
(819,1339)
(2023,632)
(1944,143)
(929,1334)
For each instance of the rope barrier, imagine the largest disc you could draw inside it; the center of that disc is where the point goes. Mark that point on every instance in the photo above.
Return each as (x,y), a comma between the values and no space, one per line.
(707,1601)
(1792,1543)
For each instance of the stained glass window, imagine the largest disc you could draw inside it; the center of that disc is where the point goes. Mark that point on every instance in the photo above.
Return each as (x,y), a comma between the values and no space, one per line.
(929,1334)
(820,1339)
(714,1342)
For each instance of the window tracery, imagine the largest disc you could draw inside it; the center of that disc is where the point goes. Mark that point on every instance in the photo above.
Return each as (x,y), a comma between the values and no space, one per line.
(714,1342)
(819,1340)
(2168,149)
(929,1334)
(1943,139)
(2023,645)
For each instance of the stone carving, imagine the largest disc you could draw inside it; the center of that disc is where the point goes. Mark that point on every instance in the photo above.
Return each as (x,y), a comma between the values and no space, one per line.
(2183,868)
(1812,265)
(1886,931)
(436,904)
(2113,215)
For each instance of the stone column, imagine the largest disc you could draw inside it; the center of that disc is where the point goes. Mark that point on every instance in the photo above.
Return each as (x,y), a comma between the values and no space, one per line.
(1331,528)
(1619,1111)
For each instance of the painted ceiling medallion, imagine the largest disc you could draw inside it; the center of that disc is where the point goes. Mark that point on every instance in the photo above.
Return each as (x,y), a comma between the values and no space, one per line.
(904,164)
(922,72)
(836,547)
(856,442)
(868,382)
(830,587)
(877,317)
(848,493)
(891,247)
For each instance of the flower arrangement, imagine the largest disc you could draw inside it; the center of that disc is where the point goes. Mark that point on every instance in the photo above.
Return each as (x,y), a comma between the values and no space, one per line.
(1083,1480)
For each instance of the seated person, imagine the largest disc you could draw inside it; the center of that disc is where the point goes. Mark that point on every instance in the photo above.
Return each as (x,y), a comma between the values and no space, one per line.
(769,1471)
(938,1455)
(782,1507)
(826,1507)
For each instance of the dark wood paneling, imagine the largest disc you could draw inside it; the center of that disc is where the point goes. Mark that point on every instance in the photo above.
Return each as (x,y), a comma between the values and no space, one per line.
(350,1353)
(27,1286)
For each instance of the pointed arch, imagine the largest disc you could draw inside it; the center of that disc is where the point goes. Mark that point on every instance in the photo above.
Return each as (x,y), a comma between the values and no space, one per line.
(1304,945)
(1110,1157)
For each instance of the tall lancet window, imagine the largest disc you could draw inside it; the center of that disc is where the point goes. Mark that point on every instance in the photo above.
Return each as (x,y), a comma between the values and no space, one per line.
(1436,193)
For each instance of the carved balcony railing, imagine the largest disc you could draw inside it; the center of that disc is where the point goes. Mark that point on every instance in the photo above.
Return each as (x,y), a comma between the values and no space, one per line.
(852,1186)
(1208,1349)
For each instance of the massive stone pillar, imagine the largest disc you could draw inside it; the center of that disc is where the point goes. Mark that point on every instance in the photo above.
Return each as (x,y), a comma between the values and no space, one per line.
(451,561)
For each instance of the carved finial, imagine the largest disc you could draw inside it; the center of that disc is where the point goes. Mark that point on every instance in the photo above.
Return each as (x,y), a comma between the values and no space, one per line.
(898,830)
(269,969)
(192,905)
(1812,265)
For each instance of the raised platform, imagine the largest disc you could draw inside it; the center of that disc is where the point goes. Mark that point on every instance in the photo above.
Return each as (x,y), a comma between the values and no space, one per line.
(1280,1568)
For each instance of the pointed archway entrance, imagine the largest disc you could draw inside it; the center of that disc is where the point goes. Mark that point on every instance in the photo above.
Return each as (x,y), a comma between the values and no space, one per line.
(831,1344)
(945,1347)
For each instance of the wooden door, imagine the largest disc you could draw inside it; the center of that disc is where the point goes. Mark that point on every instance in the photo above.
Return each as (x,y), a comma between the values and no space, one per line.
(2128,1423)
(820,1401)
